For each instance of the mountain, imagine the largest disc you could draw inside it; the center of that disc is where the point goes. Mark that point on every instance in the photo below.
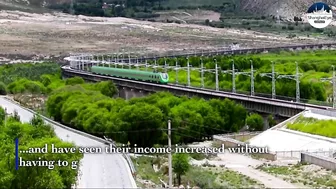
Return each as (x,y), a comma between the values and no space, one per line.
(285,8)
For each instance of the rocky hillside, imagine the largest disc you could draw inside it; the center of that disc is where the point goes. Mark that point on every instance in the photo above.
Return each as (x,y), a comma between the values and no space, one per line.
(285,8)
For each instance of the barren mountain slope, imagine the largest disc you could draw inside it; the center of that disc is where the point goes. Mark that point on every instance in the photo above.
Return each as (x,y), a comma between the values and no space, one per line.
(285,8)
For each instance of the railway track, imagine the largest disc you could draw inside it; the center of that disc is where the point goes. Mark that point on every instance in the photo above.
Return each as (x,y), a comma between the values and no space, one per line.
(214,93)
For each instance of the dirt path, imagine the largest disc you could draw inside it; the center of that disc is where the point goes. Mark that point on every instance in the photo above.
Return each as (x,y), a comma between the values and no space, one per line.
(247,166)
(268,180)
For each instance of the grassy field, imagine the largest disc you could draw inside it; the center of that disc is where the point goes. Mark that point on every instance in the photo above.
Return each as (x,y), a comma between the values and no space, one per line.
(307,175)
(204,177)
(313,126)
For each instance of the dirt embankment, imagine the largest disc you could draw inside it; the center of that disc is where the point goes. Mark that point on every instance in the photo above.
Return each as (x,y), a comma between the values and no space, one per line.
(57,34)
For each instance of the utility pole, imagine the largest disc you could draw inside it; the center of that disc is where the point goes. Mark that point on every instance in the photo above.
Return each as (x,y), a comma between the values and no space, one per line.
(233,78)
(146,64)
(297,83)
(170,156)
(252,79)
(115,61)
(333,81)
(129,61)
(188,71)
(273,81)
(334,87)
(295,77)
(202,72)
(155,64)
(216,72)
(165,65)
(271,75)
(176,68)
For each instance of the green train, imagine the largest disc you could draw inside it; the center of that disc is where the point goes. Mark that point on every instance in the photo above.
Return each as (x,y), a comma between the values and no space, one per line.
(154,77)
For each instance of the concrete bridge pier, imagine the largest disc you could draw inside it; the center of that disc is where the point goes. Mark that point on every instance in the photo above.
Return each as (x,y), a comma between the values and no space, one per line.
(266,122)
(128,93)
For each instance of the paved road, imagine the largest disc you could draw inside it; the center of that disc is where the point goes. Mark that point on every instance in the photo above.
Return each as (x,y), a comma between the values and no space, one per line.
(97,170)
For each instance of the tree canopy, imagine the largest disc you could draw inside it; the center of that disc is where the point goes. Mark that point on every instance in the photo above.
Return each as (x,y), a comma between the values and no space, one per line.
(142,121)
(29,136)
(180,165)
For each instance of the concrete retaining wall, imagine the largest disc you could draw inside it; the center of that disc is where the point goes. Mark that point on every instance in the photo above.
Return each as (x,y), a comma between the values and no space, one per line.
(325,162)
(331,113)
(232,143)
(242,136)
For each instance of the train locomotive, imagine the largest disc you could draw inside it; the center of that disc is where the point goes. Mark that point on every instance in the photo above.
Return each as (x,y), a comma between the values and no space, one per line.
(153,77)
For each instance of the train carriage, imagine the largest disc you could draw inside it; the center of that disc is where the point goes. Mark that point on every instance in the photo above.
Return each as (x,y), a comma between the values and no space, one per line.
(162,78)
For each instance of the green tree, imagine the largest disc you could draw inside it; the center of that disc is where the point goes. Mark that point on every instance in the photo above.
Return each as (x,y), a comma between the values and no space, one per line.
(3,89)
(36,120)
(2,115)
(16,115)
(107,88)
(180,165)
(255,122)
(38,177)
(45,80)
(271,121)
(74,81)
(141,116)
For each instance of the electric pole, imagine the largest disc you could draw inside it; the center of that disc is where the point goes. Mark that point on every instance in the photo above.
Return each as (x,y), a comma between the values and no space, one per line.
(273,82)
(295,77)
(334,87)
(252,79)
(170,156)
(273,77)
(146,64)
(188,67)
(202,72)
(216,72)
(176,69)
(129,61)
(233,78)
(165,65)
(333,81)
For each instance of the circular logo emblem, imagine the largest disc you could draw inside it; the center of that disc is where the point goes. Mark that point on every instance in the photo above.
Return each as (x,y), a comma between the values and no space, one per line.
(319,15)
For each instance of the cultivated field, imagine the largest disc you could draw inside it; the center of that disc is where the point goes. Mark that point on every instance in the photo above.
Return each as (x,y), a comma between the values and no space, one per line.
(59,34)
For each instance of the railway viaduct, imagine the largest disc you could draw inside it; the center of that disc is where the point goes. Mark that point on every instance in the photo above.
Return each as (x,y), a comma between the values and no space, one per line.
(265,106)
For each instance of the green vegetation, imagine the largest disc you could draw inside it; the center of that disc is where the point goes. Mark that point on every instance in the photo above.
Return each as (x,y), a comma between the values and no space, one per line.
(255,122)
(180,165)
(36,134)
(84,107)
(3,89)
(31,71)
(39,78)
(203,177)
(308,175)
(314,126)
